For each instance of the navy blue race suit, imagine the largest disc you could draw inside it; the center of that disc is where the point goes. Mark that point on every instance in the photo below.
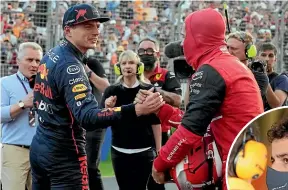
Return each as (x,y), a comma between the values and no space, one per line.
(65,103)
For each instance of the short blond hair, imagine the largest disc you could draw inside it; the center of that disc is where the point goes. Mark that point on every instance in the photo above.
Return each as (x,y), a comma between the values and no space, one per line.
(130,55)
(244,37)
(26,45)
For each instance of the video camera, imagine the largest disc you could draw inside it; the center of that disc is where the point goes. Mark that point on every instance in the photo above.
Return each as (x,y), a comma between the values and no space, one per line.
(258,66)
(181,68)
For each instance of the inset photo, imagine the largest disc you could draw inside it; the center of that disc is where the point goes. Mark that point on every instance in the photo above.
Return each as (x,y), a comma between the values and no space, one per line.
(258,157)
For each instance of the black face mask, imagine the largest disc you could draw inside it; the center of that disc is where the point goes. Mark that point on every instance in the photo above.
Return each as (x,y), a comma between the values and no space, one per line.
(276,180)
(149,62)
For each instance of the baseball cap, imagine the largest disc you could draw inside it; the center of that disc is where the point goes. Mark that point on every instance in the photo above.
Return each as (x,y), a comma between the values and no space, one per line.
(82,13)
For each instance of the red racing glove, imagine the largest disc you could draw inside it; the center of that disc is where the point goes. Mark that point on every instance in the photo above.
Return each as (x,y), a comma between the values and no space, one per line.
(170,116)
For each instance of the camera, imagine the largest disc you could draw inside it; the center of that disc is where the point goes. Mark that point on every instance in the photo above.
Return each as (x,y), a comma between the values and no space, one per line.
(182,69)
(258,66)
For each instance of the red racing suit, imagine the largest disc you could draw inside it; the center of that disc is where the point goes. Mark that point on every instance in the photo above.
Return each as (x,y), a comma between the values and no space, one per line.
(202,166)
(223,92)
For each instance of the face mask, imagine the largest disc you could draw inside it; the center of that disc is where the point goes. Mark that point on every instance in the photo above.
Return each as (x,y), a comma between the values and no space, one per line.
(149,61)
(276,180)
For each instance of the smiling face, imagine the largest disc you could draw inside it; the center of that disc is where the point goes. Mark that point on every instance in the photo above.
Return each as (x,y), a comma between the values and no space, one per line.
(84,36)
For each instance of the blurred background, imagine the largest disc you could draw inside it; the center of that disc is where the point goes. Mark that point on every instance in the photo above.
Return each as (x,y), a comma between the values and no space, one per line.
(41,22)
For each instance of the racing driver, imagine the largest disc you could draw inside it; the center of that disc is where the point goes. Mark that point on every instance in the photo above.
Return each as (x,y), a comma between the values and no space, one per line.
(64,103)
(223,94)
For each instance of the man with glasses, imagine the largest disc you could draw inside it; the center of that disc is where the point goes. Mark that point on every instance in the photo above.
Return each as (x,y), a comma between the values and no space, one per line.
(163,80)
(277,91)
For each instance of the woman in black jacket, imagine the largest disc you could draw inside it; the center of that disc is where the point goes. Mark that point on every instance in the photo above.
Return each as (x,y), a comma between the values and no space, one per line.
(133,141)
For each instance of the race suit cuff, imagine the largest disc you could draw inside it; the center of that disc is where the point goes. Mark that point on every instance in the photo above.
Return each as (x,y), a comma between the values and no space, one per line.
(165,112)
(128,111)
(160,165)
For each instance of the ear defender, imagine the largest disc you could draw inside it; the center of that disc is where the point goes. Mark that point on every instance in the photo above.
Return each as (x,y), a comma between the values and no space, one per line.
(250,51)
(117,69)
(140,69)
(235,183)
(251,160)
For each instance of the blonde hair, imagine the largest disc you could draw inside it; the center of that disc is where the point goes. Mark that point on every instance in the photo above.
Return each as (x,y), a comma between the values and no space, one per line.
(127,56)
(244,37)
(26,45)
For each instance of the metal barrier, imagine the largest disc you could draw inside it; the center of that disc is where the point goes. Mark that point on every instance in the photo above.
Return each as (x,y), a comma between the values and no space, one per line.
(282,64)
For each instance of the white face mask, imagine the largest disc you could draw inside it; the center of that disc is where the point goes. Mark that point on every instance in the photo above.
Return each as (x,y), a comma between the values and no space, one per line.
(276,180)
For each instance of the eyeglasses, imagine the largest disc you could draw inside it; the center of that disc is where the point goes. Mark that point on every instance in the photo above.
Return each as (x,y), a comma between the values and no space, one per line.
(148,51)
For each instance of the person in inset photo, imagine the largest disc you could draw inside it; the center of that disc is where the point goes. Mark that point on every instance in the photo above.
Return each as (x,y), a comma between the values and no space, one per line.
(258,158)
(247,160)
(277,174)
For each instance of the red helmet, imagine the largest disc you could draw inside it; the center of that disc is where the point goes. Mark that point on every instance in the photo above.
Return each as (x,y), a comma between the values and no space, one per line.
(202,166)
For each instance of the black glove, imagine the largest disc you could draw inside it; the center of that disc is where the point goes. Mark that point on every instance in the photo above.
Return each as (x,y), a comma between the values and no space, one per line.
(263,81)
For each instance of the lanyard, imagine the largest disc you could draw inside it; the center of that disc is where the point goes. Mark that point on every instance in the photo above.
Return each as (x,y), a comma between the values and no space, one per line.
(22,84)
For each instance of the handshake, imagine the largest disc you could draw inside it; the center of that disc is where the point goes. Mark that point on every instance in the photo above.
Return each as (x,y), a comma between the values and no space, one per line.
(146,102)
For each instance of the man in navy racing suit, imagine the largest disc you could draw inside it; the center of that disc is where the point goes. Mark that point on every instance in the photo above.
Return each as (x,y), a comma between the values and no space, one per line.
(64,102)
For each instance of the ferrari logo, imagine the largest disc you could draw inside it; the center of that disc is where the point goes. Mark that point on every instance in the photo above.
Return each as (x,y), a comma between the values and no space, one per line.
(158,76)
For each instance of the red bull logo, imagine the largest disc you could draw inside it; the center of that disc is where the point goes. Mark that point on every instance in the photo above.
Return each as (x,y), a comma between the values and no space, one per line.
(81,13)
(84,172)
(43,71)
(45,90)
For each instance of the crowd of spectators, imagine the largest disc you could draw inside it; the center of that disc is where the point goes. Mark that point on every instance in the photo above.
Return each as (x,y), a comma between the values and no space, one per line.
(26,20)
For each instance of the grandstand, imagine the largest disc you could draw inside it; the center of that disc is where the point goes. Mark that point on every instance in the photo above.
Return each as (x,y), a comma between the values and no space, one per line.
(40,21)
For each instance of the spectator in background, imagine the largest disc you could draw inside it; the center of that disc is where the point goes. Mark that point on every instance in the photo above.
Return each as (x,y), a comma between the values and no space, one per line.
(115,55)
(277,91)
(10,53)
(18,121)
(4,22)
(112,42)
(18,26)
(9,36)
(125,44)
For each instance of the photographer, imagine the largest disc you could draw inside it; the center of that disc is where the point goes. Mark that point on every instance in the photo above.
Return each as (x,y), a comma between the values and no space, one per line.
(277,91)
(240,44)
